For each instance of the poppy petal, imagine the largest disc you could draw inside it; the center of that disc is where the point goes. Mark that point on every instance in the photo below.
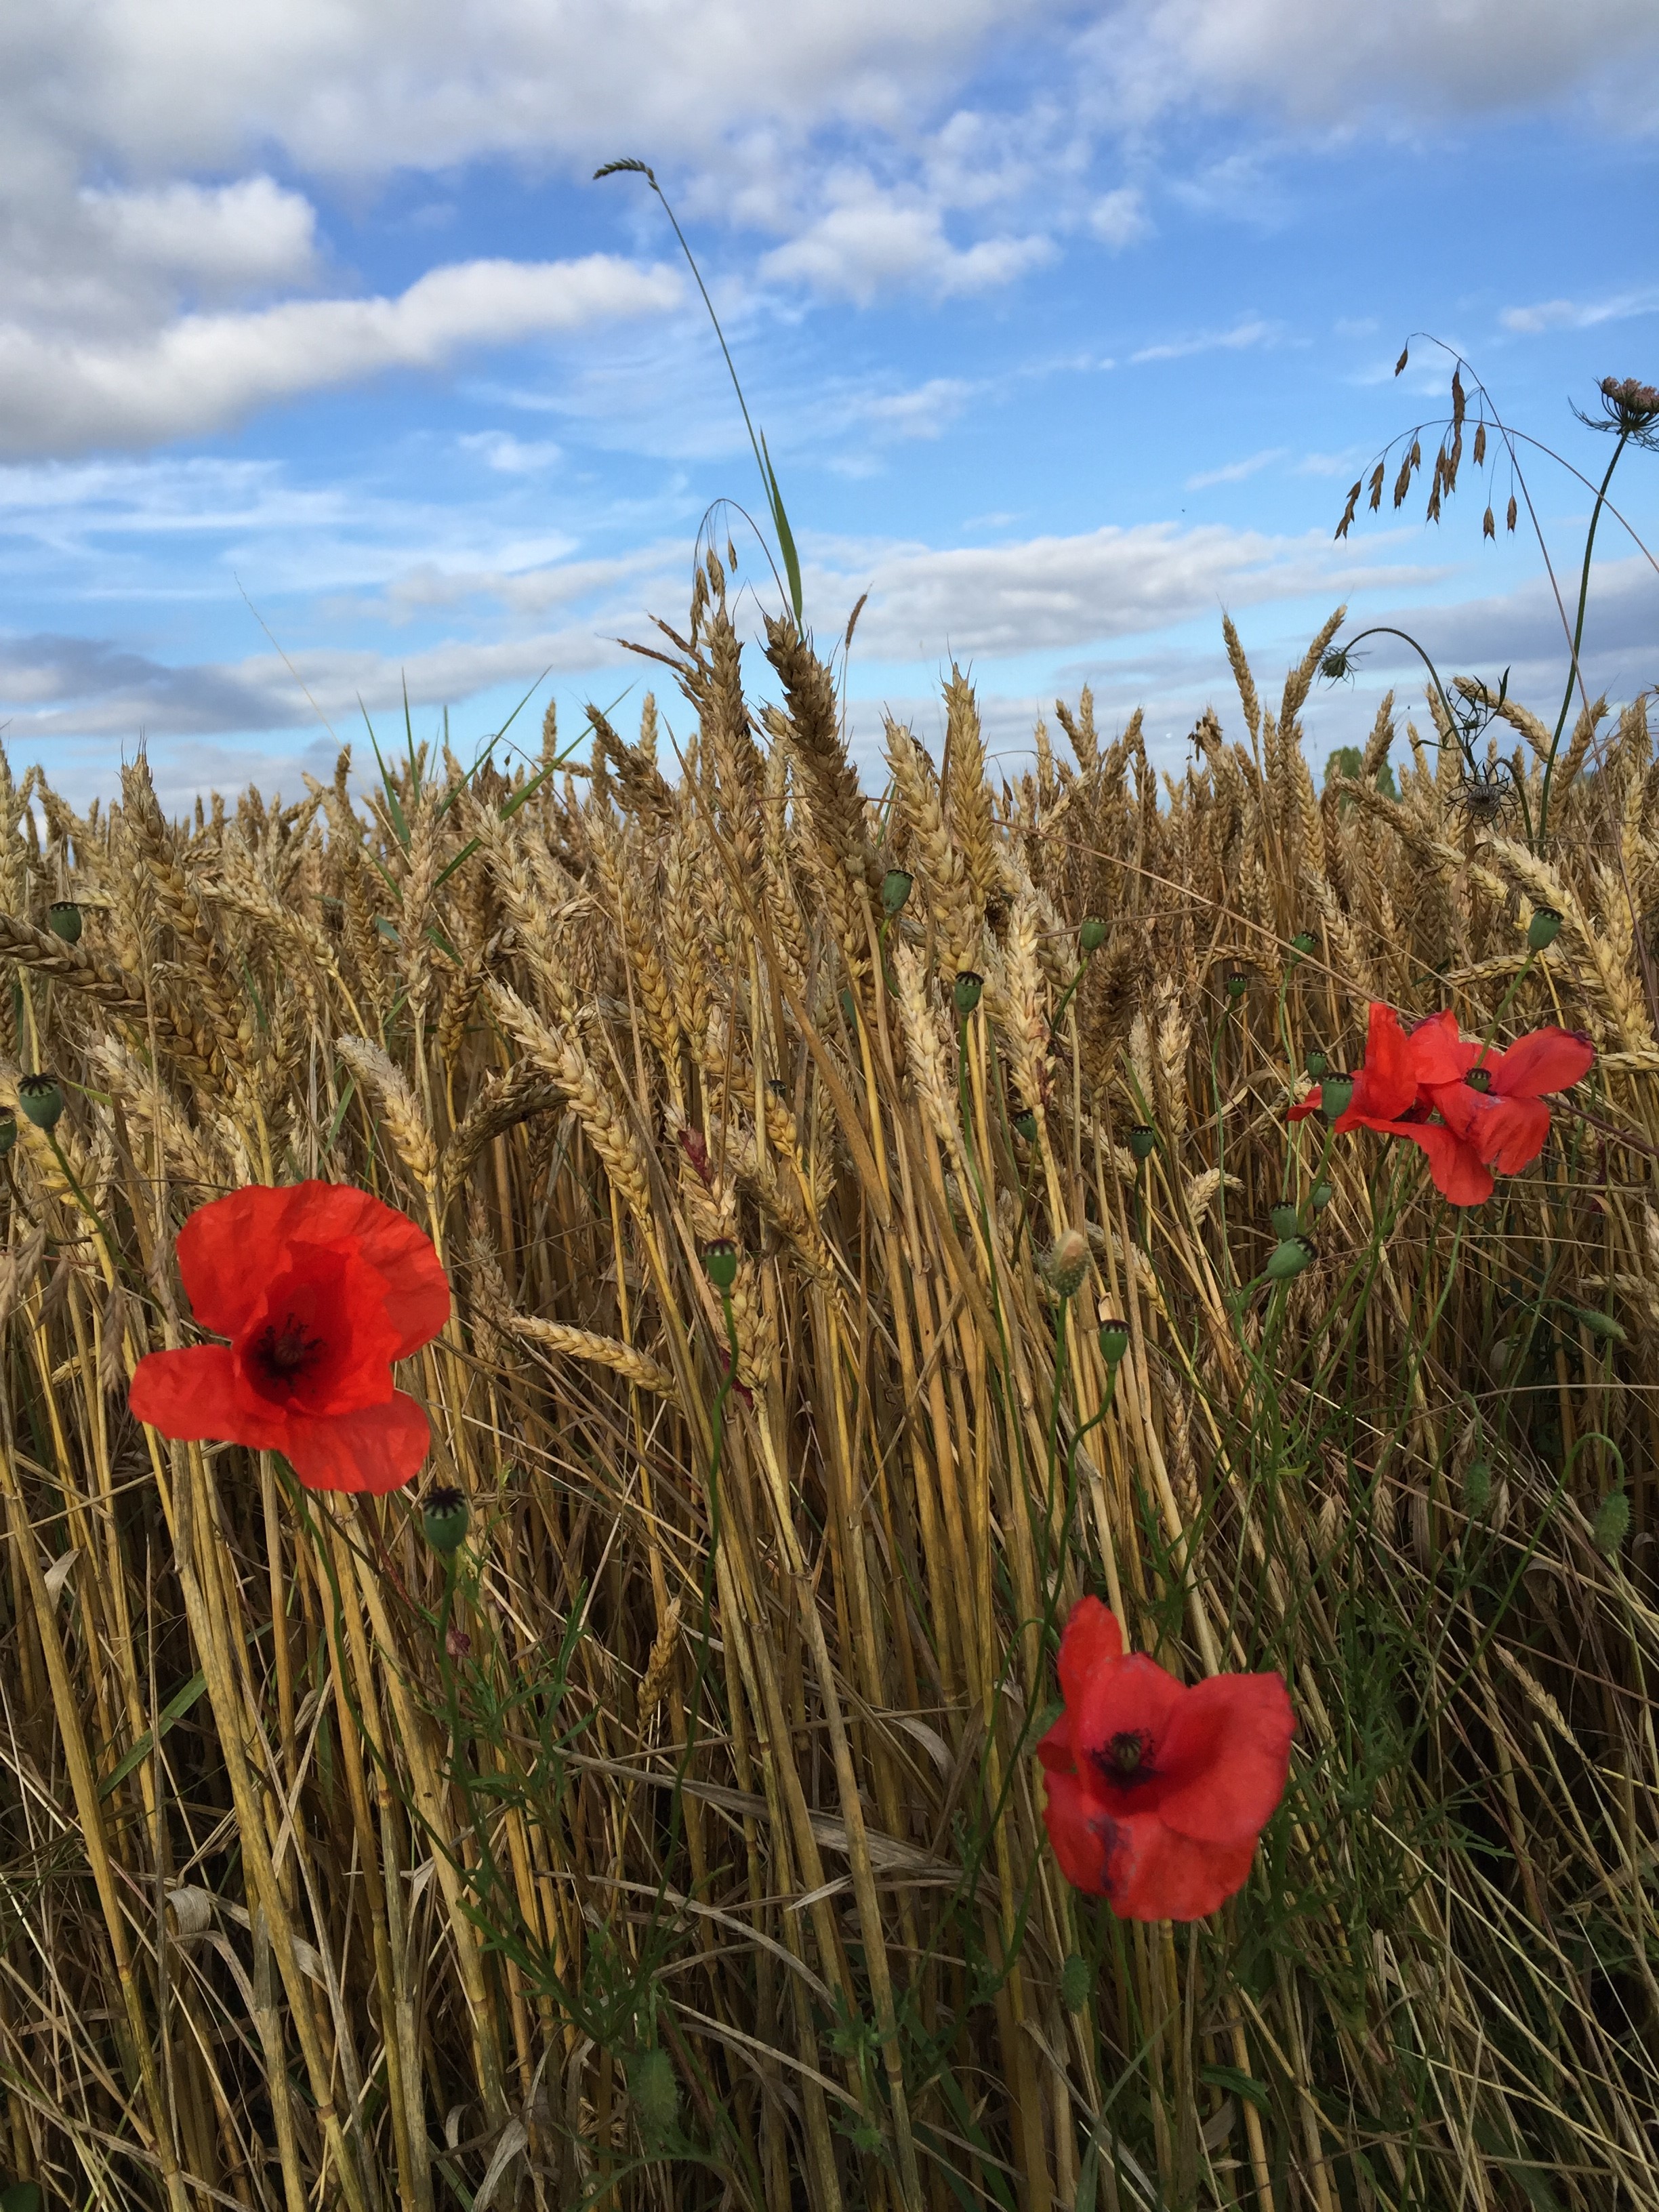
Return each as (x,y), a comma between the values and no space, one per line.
(1456,1166)
(195,1397)
(416,1289)
(1544,1059)
(1082,1842)
(1155,1875)
(1511,1134)
(1054,1750)
(1387,1084)
(377,1449)
(1438,1054)
(1310,1105)
(1226,1758)
(229,1248)
(1091,1639)
(1135,1697)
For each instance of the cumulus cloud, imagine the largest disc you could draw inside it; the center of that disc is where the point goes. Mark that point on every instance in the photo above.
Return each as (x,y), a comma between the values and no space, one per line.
(253,233)
(869,241)
(1578,314)
(203,371)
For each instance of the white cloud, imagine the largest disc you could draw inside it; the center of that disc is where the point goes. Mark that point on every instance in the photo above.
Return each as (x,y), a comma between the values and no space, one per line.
(922,413)
(1252,330)
(1236,471)
(507,455)
(870,241)
(251,233)
(1119,218)
(1578,314)
(203,371)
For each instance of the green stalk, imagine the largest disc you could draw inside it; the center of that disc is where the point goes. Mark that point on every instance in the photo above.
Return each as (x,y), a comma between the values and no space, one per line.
(1573,674)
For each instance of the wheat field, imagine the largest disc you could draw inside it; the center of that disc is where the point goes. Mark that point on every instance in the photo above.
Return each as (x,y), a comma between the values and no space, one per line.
(683,1846)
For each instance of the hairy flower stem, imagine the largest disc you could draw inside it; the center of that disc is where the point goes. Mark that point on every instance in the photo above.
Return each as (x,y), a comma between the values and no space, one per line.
(1573,673)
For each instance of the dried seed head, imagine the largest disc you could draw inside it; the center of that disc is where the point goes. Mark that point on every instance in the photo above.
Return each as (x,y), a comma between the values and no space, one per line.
(1068,1263)
(1479,443)
(1510,513)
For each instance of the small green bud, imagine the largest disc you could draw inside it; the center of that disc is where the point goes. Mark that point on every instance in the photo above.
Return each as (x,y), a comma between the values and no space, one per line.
(1477,1487)
(41,1098)
(1074,1980)
(967,992)
(1286,1221)
(720,1260)
(1611,1523)
(1543,929)
(1068,1263)
(654,2095)
(446,1516)
(1289,1258)
(64,919)
(1324,1192)
(1142,1141)
(8,1130)
(1479,1078)
(1091,936)
(1025,1125)
(1114,1341)
(1335,1095)
(1237,983)
(1302,945)
(1602,1325)
(895,888)
(1316,1064)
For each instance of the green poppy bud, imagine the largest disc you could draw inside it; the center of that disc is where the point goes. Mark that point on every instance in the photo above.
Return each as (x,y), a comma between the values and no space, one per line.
(1303,943)
(1068,1263)
(1479,1078)
(446,1516)
(1074,1980)
(1237,983)
(1324,1192)
(1477,1487)
(1289,1258)
(654,2094)
(1611,1523)
(41,1098)
(720,1260)
(64,919)
(1114,1341)
(1025,1127)
(1543,929)
(1091,936)
(1143,1139)
(1286,1221)
(1335,1095)
(895,888)
(1316,1064)
(8,1130)
(967,992)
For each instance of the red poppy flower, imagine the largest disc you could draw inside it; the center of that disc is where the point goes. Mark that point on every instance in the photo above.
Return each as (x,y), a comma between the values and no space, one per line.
(1158,1795)
(319,1288)
(1494,1100)
(1386,1085)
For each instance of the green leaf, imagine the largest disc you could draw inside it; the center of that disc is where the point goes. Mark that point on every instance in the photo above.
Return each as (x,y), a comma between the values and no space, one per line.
(1241,2085)
(786,536)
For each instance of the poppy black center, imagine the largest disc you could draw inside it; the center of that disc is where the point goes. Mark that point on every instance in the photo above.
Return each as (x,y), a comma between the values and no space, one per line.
(1125,1759)
(285,1351)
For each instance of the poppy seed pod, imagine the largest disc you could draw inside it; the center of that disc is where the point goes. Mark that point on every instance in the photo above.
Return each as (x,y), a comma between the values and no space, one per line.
(720,1260)
(1302,943)
(1114,1341)
(966,995)
(1092,935)
(41,1098)
(1336,1095)
(8,1130)
(1289,1258)
(1025,1127)
(895,888)
(1068,1263)
(1237,983)
(446,1517)
(1324,1192)
(1315,1064)
(1143,1139)
(1543,929)
(64,919)
(1286,1220)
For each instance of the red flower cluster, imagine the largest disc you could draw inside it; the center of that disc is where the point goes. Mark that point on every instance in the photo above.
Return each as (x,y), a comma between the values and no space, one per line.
(1471,1107)
(319,1288)
(1157,1795)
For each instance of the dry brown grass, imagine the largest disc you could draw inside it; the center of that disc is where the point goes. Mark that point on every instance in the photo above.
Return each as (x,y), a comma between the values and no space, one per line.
(712,1874)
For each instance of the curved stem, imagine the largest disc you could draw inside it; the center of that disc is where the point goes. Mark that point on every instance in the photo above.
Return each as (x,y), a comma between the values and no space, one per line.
(1573,676)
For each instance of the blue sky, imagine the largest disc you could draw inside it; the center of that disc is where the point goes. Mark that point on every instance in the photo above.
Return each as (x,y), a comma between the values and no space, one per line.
(325,370)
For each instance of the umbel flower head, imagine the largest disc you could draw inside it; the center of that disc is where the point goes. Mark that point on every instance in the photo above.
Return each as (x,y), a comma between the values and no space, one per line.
(319,1288)
(1629,408)
(1158,1795)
